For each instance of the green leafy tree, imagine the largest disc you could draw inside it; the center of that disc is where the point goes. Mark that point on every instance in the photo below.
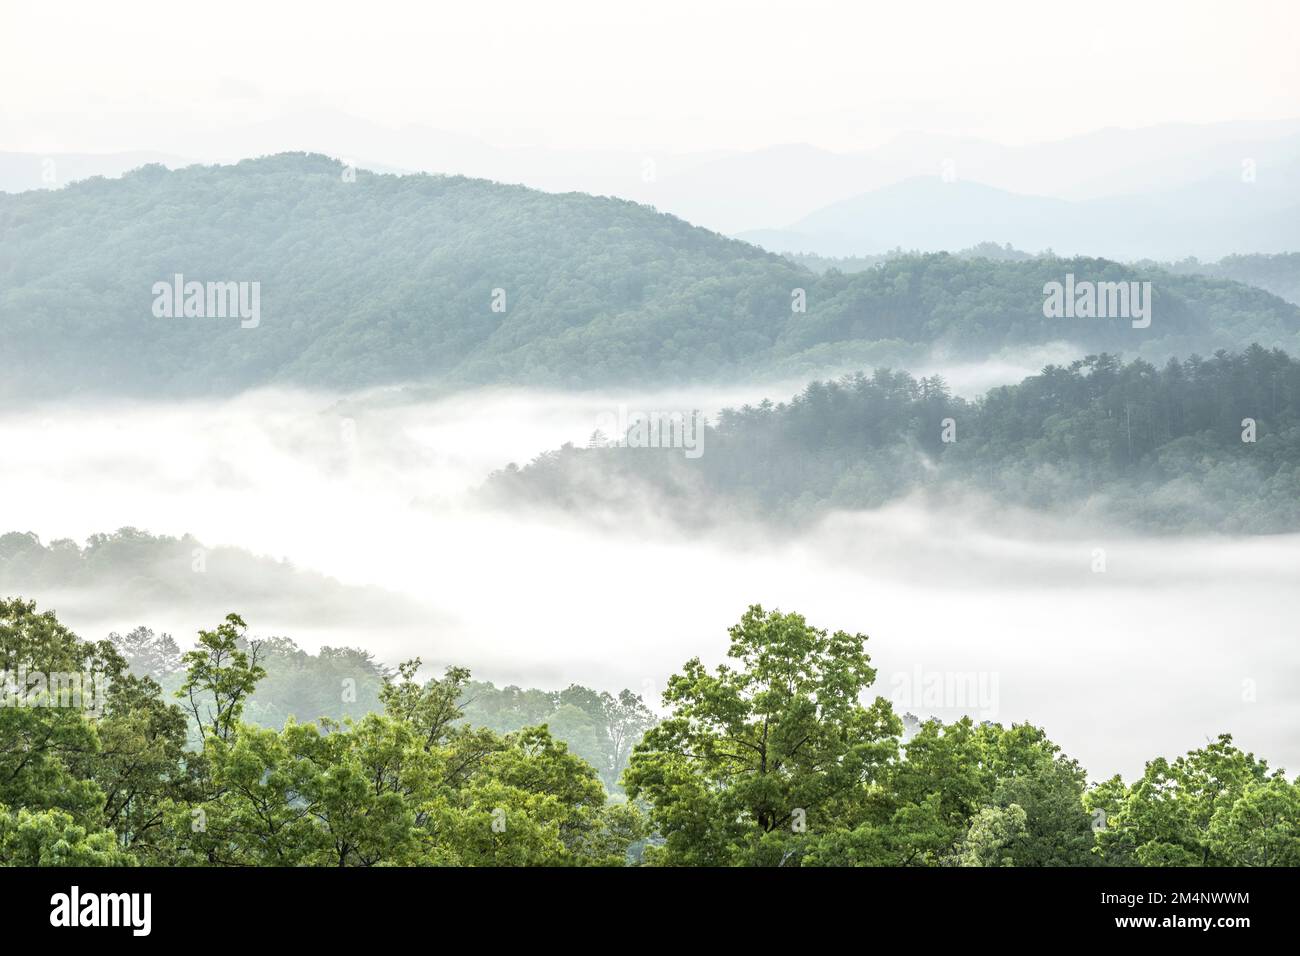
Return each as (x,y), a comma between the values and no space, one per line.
(54,838)
(1164,818)
(141,764)
(758,754)
(1261,827)
(992,833)
(1030,772)
(38,743)
(220,677)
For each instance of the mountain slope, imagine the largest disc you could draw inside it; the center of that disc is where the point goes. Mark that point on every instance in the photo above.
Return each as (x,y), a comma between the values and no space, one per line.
(921,213)
(383,278)
(1125,445)
(373,279)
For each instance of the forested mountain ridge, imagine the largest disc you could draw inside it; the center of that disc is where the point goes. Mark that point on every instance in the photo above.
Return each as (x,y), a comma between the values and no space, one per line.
(1278,273)
(369,279)
(379,279)
(130,567)
(1203,444)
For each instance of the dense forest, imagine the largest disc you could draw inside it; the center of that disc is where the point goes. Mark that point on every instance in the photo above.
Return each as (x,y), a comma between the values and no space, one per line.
(367,279)
(1278,273)
(1202,444)
(984,250)
(341,683)
(779,758)
(142,568)
(1275,272)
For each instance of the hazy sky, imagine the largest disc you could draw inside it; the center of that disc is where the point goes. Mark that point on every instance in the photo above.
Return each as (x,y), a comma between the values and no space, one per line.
(666,75)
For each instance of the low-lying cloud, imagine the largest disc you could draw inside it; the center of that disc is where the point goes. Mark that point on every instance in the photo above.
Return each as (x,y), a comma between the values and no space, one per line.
(1173,641)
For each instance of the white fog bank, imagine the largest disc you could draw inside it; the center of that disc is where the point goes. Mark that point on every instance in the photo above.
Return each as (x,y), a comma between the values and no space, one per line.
(1176,641)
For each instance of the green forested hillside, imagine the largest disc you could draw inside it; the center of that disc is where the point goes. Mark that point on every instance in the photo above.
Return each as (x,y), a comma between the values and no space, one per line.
(368,279)
(338,683)
(1278,273)
(1160,448)
(346,683)
(782,757)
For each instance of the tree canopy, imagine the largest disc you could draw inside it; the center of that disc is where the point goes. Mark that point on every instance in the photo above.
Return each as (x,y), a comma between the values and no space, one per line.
(778,757)
(1202,444)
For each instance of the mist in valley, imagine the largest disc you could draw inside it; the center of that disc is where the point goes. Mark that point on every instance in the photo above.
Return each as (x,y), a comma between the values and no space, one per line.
(365,514)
